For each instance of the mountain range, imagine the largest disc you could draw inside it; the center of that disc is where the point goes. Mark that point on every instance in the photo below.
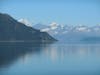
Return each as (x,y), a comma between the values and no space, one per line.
(72,34)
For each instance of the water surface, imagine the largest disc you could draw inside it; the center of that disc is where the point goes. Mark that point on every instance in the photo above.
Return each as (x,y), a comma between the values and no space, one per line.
(50,59)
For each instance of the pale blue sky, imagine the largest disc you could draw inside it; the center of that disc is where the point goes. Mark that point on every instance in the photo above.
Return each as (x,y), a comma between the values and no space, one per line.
(72,12)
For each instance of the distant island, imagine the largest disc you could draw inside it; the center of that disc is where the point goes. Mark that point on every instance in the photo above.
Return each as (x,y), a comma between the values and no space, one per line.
(13,31)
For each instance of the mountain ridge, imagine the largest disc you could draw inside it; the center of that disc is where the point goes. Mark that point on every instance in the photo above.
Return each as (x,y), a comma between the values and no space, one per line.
(12,30)
(71,34)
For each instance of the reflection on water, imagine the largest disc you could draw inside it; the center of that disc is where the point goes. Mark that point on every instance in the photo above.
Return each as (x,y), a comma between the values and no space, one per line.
(10,52)
(49,59)
(61,51)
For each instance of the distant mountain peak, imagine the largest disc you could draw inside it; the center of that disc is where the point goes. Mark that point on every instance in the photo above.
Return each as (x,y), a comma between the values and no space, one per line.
(25,21)
(53,25)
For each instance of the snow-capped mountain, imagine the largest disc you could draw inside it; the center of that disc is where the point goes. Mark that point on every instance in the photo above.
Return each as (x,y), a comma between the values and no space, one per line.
(96,28)
(53,25)
(71,33)
(63,29)
(25,21)
(81,28)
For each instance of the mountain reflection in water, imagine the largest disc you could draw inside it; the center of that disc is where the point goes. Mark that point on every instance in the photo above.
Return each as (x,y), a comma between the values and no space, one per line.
(49,59)
(10,52)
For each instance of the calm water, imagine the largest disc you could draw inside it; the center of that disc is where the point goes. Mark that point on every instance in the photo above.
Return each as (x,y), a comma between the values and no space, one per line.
(49,59)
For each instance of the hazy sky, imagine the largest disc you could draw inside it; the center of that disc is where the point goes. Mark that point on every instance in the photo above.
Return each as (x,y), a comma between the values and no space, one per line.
(72,12)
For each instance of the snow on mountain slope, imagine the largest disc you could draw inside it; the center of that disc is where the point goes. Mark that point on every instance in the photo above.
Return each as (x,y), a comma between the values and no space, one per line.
(81,28)
(53,25)
(25,21)
(66,33)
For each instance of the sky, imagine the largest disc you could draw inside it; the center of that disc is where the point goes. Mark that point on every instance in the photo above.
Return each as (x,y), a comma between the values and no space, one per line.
(67,12)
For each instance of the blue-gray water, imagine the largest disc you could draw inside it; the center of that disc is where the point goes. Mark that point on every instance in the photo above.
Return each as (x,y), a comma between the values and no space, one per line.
(50,59)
